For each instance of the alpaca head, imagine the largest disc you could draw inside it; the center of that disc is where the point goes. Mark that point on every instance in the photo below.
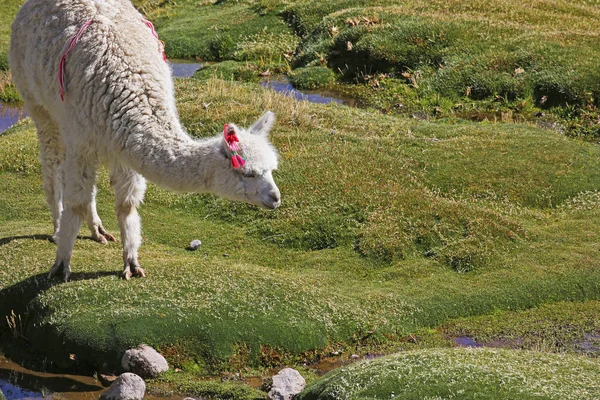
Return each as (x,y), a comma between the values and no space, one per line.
(252,179)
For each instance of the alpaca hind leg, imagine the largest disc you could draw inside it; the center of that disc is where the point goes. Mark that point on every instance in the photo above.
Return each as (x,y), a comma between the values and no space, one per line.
(129,189)
(99,234)
(79,172)
(52,154)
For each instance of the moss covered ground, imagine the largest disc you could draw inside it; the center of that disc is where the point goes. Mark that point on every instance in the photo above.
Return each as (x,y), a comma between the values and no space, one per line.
(462,374)
(441,59)
(394,232)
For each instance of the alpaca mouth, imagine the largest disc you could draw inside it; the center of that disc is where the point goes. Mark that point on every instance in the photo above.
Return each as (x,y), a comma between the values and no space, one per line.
(271,205)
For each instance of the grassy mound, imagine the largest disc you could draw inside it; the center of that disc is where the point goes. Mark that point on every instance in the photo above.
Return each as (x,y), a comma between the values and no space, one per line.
(445,221)
(222,30)
(462,373)
(446,58)
(456,50)
(312,77)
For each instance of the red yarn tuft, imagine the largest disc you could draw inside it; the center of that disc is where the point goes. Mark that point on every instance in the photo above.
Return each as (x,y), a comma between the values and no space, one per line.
(240,160)
(234,162)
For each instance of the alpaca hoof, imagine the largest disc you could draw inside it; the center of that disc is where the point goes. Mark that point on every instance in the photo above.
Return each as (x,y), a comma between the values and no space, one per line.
(127,274)
(60,267)
(139,272)
(102,236)
(107,236)
(56,268)
(100,239)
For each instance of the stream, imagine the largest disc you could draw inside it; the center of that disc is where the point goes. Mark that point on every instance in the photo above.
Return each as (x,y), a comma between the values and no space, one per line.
(17,382)
(9,114)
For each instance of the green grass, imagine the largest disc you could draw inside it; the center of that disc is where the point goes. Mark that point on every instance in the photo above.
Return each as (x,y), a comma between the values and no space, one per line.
(408,56)
(181,382)
(420,236)
(312,77)
(463,374)
(220,31)
(9,8)
(390,227)
(561,327)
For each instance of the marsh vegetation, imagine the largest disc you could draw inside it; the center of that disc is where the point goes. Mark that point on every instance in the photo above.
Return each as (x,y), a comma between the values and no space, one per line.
(396,234)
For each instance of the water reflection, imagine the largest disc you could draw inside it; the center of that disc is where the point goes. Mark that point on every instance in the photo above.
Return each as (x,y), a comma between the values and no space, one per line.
(183,68)
(9,114)
(313,96)
(17,382)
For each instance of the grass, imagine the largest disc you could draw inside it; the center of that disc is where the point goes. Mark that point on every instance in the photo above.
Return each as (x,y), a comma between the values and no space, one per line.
(391,228)
(418,241)
(402,57)
(560,327)
(462,373)
(220,31)
(9,8)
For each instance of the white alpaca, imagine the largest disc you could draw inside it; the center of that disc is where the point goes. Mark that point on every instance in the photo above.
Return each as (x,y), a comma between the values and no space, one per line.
(119,109)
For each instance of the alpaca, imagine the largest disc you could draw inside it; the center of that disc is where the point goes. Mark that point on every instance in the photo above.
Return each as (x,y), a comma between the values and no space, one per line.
(119,109)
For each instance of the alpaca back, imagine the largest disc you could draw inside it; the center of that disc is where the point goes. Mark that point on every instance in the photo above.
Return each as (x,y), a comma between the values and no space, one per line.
(116,82)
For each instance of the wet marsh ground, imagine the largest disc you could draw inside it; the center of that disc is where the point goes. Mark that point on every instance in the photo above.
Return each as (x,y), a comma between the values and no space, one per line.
(405,229)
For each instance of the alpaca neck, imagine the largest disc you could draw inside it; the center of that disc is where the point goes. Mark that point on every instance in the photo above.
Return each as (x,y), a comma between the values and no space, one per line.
(173,160)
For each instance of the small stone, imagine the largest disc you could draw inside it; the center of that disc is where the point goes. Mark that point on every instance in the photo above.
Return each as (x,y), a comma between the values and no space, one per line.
(127,386)
(194,244)
(107,380)
(354,356)
(144,361)
(286,384)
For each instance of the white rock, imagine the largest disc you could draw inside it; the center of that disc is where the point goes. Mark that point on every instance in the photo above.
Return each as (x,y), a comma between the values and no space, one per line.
(127,386)
(286,384)
(144,361)
(195,244)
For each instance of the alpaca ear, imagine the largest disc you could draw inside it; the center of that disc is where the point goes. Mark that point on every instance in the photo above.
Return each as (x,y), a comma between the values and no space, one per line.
(230,135)
(230,129)
(263,125)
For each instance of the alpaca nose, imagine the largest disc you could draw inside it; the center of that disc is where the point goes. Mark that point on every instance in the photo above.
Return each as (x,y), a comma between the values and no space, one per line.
(275,195)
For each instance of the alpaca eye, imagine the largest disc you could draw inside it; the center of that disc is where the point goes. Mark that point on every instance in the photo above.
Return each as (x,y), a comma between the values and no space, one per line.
(250,174)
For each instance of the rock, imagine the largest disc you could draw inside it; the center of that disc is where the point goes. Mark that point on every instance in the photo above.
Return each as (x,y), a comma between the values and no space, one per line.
(354,356)
(107,380)
(286,384)
(144,361)
(127,386)
(194,244)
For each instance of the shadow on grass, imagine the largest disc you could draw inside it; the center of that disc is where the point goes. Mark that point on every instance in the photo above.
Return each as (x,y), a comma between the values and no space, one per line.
(21,316)
(7,240)
(15,299)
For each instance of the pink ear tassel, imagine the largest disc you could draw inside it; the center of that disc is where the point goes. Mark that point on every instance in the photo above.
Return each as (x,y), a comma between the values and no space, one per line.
(239,159)
(232,144)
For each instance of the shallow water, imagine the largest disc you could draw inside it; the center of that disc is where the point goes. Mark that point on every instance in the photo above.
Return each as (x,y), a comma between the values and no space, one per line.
(465,341)
(9,114)
(282,85)
(17,382)
(183,68)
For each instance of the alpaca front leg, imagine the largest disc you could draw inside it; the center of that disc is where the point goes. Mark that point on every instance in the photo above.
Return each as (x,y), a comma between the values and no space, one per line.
(79,174)
(129,193)
(52,155)
(70,222)
(99,234)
